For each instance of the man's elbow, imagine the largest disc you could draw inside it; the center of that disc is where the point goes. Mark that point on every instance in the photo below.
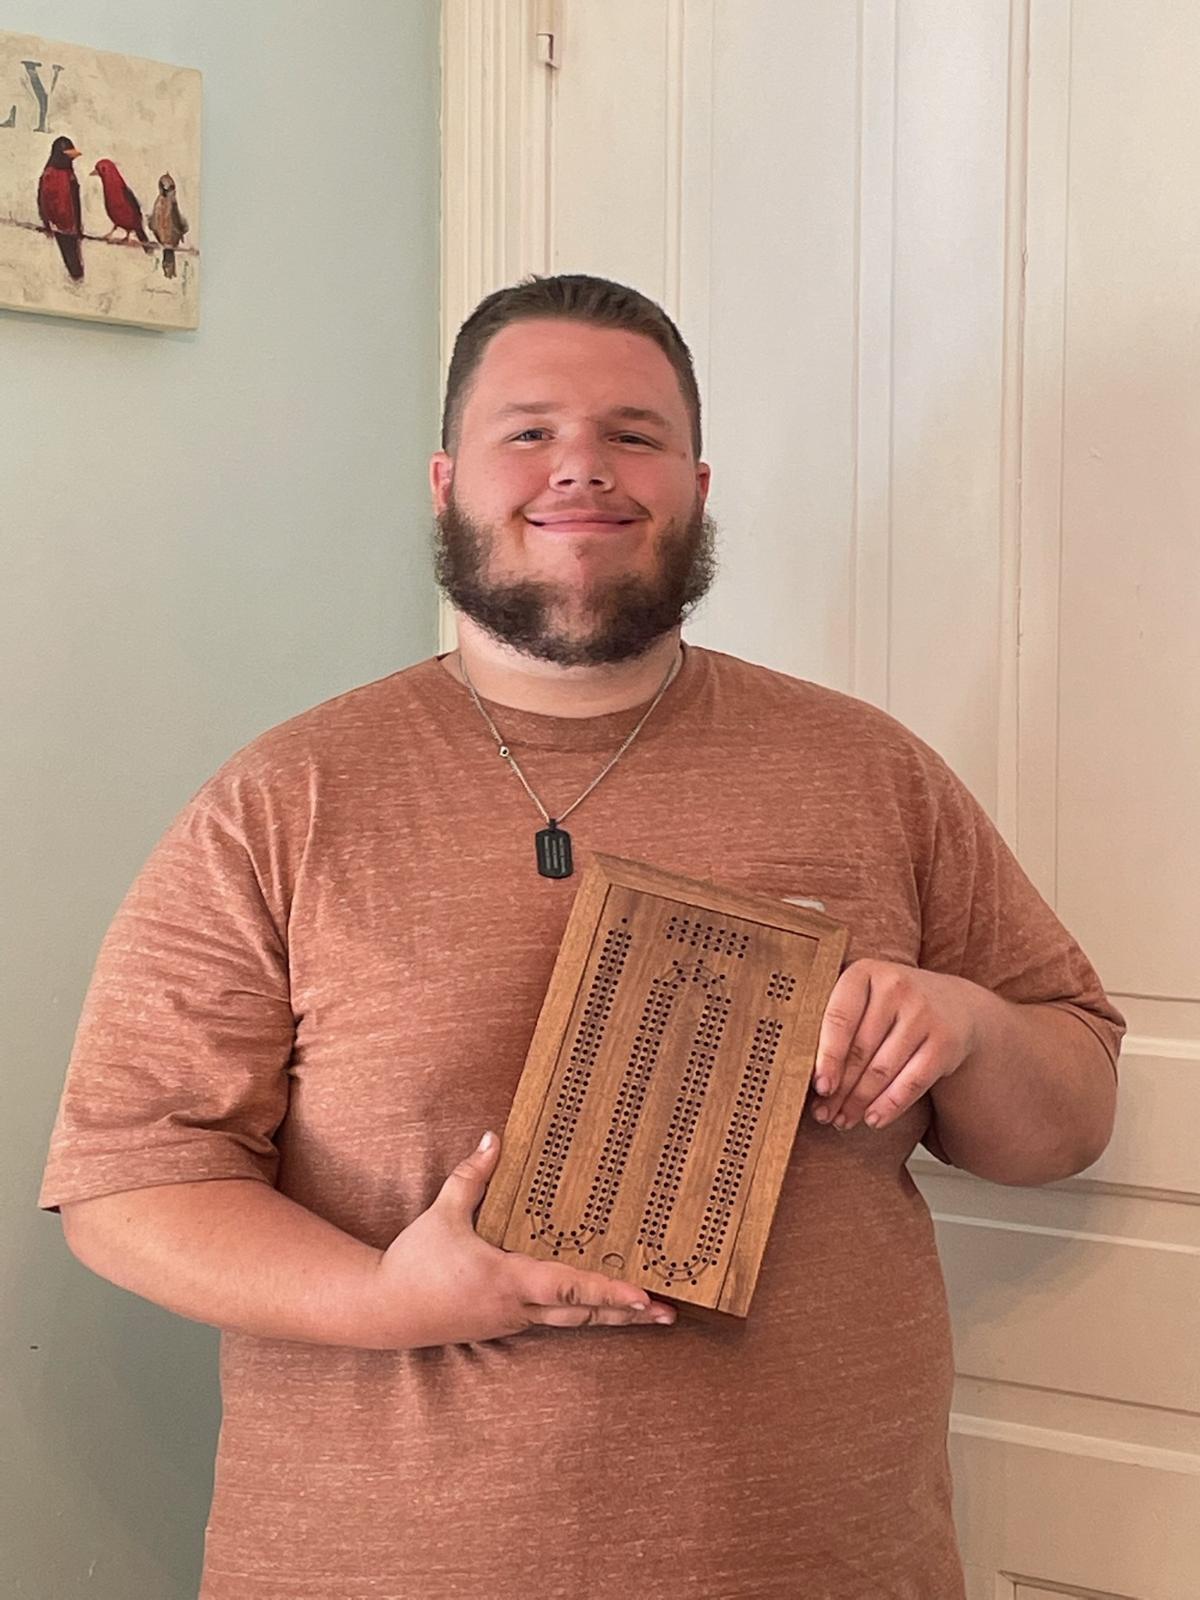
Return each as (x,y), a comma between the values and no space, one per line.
(1074,1151)
(1096,1130)
(1060,1153)
(101,1231)
(80,1225)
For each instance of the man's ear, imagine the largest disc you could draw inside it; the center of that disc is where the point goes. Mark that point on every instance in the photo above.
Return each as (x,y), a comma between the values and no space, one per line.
(441,476)
(703,480)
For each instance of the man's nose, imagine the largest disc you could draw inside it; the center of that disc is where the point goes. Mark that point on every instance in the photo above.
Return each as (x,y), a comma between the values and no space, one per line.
(582,463)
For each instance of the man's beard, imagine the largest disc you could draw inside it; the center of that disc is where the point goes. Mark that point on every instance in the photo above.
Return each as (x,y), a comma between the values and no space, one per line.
(615,619)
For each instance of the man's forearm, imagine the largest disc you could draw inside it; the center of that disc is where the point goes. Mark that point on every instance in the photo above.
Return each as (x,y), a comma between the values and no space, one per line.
(234,1253)
(1033,1102)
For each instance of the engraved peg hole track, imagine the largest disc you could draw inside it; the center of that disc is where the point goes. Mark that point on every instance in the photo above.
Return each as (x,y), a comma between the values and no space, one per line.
(708,936)
(651,1159)
(681,1133)
(782,986)
(558,1137)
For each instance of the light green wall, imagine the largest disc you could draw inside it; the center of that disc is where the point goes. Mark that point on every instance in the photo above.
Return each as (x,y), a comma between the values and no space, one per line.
(201,534)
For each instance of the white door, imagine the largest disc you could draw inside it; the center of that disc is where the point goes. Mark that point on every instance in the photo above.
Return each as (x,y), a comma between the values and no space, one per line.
(938,264)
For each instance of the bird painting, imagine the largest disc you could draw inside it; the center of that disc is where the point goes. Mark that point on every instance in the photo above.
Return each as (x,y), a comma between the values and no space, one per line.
(59,206)
(168,223)
(123,207)
(75,239)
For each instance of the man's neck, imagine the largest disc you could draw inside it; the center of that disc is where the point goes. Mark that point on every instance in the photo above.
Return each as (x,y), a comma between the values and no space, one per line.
(509,678)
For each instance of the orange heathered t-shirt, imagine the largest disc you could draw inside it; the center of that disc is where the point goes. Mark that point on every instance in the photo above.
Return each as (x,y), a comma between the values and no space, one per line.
(326,978)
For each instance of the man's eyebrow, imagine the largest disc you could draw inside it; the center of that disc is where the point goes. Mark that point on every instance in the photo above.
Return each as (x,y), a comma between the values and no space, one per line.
(543,408)
(642,414)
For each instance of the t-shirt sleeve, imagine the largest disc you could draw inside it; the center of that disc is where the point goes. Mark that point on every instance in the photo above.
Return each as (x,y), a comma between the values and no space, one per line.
(179,1067)
(984,920)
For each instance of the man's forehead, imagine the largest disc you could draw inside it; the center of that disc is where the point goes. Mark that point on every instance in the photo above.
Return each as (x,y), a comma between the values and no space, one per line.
(544,364)
(561,340)
(549,408)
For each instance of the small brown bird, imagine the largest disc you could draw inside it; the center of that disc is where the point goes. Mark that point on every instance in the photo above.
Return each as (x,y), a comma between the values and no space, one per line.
(167,223)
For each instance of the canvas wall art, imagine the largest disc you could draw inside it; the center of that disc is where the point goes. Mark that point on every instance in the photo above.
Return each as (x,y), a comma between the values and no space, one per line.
(99,185)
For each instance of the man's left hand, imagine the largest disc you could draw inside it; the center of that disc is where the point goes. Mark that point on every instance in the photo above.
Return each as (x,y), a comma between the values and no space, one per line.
(889,1033)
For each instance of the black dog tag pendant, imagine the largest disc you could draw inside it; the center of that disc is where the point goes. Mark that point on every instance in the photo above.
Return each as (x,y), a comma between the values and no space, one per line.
(554,851)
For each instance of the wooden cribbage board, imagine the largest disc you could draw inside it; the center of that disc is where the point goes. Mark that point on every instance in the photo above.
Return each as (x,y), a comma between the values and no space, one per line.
(660,1098)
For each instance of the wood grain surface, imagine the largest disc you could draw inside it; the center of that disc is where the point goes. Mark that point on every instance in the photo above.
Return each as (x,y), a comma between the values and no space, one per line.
(656,1114)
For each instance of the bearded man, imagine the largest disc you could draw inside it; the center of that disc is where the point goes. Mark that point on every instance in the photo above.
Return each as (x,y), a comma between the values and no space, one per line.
(322,986)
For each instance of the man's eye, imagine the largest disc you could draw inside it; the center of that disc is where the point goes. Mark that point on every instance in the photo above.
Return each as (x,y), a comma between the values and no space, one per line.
(623,438)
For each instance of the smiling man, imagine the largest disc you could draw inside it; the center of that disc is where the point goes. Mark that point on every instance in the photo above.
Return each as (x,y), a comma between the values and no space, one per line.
(594,561)
(323,983)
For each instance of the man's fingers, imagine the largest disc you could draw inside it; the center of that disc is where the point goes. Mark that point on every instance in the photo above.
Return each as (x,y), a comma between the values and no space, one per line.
(919,1076)
(876,1028)
(849,1000)
(549,1283)
(553,1284)
(464,1188)
(598,1316)
(885,1061)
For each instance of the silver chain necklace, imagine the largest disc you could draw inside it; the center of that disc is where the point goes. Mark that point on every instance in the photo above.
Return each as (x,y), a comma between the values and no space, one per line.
(553,842)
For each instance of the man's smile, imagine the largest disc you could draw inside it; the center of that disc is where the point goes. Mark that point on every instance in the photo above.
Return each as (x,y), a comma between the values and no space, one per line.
(581,521)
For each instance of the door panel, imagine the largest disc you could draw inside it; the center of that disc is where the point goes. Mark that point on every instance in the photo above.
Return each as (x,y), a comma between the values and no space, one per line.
(937,267)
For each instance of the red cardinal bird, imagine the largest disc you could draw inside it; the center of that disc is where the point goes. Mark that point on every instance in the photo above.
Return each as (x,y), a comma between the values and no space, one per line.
(58,204)
(122,205)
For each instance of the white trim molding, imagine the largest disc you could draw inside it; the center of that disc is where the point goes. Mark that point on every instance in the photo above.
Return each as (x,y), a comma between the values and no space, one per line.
(1042,417)
(875,225)
(497,151)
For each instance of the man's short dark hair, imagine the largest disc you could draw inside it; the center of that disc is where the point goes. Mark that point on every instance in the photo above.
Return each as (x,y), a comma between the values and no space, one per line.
(575,297)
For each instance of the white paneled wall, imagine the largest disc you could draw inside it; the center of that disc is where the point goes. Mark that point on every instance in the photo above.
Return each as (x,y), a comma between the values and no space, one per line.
(937,265)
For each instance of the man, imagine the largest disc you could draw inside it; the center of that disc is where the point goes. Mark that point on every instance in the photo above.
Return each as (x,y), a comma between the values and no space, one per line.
(322,986)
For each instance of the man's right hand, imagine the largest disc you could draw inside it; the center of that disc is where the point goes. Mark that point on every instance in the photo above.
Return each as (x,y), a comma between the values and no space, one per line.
(238,1254)
(445,1285)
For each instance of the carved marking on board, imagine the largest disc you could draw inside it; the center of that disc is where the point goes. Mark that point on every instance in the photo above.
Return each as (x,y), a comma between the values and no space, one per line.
(660,1005)
(688,1105)
(631,1096)
(728,1178)
(708,936)
(561,1131)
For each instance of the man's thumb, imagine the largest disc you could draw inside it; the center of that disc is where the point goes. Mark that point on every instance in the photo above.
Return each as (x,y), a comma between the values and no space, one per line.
(465,1186)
